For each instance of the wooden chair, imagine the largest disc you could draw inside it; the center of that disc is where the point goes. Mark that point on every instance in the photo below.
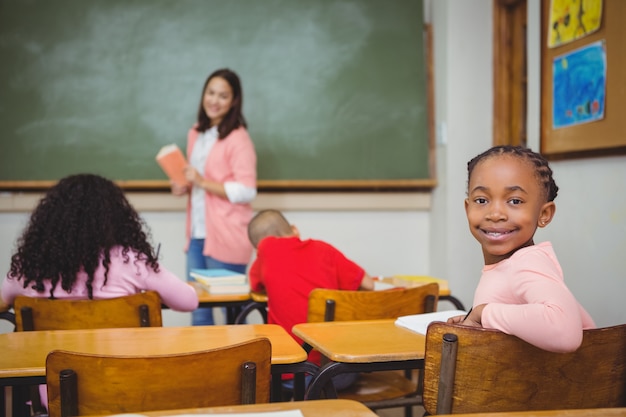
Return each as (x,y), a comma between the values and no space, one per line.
(136,310)
(475,370)
(32,314)
(87,384)
(384,389)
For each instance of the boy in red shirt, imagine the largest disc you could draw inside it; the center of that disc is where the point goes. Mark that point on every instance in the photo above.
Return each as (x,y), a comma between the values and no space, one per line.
(288,269)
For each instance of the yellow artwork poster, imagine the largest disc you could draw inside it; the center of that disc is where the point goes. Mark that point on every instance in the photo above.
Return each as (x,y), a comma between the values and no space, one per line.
(573,19)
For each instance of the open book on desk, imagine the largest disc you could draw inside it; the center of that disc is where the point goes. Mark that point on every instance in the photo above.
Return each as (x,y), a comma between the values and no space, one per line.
(419,322)
(172,161)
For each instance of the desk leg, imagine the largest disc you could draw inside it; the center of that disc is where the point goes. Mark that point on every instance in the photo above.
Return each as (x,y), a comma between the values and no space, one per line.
(8,401)
(231,314)
(276,393)
(299,370)
(15,399)
(323,381)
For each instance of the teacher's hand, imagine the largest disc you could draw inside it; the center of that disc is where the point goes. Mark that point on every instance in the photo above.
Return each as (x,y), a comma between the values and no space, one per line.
(192,175)
(179,190)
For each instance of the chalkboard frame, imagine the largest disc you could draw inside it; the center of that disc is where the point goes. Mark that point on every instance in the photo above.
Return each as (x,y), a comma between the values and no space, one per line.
(409,184)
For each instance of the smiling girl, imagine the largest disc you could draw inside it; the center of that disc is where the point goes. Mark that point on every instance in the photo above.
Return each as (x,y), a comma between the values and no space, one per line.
(222,182)
(521,292)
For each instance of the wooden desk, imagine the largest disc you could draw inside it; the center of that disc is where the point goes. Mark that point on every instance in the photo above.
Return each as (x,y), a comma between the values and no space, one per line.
(592,412)
(360,346)
(320,408)
(23,359)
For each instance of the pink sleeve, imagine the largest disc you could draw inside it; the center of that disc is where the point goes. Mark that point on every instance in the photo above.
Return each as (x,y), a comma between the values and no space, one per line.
(546,313)
(175,293)
(242,157)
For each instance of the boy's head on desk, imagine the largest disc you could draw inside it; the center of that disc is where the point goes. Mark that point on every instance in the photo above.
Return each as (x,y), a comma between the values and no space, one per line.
(270,223)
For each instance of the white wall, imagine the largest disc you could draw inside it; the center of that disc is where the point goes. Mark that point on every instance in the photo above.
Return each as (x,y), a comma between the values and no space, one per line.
(588,231)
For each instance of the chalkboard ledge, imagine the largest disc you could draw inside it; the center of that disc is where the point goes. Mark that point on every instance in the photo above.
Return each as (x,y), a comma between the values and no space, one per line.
(157,201)
(262,185)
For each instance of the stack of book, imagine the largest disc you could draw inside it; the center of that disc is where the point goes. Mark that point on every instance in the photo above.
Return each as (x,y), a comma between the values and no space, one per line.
(221,281)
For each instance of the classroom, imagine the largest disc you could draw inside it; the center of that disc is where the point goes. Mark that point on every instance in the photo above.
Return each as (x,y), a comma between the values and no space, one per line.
(425,231)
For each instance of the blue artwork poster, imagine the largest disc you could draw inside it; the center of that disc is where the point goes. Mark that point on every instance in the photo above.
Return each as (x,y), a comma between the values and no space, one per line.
(579,86)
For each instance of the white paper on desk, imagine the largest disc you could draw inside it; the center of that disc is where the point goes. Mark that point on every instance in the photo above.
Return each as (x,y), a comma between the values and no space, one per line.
(381,286)
(285,413)
(419,322)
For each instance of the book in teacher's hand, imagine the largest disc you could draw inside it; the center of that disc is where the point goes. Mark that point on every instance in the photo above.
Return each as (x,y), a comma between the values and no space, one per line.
(172,161)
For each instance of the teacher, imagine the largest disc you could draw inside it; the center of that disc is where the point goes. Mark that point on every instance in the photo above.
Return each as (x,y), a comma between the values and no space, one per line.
(222,182)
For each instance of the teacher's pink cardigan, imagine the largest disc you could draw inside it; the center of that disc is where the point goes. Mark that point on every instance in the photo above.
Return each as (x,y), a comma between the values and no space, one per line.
(230,159)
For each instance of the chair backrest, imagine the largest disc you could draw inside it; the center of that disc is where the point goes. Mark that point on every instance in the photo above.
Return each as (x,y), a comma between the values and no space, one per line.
(136,310)
(475,370)
(84,384)
(342,305)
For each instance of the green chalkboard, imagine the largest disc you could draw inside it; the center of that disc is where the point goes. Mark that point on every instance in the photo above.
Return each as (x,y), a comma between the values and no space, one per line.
(334,90)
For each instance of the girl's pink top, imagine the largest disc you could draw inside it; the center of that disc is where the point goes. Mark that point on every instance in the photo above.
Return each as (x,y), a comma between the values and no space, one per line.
(526,296)
(125,277)
(231,159)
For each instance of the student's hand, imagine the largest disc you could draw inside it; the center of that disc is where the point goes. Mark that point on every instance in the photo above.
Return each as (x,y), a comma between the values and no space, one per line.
(473,319)
(367,283)
(456,319)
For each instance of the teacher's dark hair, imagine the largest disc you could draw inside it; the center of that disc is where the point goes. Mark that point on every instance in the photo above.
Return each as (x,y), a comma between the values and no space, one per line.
(234,118)
(73,229)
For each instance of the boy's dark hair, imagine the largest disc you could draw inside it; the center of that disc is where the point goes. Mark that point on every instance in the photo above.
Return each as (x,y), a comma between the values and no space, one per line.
(73,228)
(542,168)
(234,118)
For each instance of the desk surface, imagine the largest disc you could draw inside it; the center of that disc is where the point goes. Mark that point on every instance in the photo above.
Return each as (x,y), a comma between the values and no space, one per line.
(317,408)
(409,281)
(363,341)
(24,353)
(594,412)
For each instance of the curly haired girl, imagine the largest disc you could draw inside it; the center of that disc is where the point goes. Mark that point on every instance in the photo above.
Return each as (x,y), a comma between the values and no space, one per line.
(84,240)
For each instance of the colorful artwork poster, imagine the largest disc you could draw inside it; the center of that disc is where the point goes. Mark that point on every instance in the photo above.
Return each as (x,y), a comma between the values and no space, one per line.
(579,86)
(573,19)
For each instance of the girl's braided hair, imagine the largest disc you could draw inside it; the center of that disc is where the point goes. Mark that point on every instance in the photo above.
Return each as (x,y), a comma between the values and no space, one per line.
(542,170)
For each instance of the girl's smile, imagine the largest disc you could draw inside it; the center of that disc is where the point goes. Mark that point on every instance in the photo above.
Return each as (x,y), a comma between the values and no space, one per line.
(497,234)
